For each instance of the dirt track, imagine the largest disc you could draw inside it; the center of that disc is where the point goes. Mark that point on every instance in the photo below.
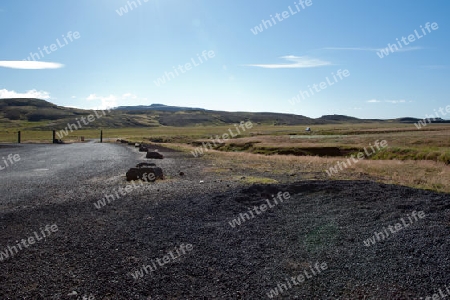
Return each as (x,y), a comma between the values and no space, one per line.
(96,251)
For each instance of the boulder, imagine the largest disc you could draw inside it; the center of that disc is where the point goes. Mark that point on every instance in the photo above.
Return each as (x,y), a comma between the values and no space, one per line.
(130,144)
(146,174)
(137,145)
(154,155)
(143,148)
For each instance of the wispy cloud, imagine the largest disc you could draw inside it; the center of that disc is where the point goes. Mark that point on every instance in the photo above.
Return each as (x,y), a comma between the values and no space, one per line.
(295,62)
(403,49)
(387,101)
(106,102)
(395,101)
(30,94)
(129,96)
(352,48)
(30,65)
(111,101)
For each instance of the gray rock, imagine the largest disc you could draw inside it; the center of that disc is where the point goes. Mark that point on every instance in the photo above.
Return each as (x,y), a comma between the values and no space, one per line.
(154,155)
(146,174)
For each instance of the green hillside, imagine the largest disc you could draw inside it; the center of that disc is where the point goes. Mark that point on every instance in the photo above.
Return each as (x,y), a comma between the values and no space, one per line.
(36,114)
(42,115)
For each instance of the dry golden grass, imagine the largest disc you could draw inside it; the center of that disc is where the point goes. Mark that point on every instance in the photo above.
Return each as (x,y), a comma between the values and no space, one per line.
(438,137)
(404,143)
(417,174)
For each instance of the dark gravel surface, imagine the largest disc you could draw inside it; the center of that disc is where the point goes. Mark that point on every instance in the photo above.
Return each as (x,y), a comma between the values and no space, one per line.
(95,251)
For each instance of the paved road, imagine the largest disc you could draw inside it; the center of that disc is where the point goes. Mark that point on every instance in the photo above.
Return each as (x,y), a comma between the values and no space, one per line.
(51,169)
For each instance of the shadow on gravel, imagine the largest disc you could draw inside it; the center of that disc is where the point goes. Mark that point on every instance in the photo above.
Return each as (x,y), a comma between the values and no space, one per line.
(322,222)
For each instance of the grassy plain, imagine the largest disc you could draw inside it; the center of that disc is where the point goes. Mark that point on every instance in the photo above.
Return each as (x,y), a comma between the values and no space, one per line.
(414,157)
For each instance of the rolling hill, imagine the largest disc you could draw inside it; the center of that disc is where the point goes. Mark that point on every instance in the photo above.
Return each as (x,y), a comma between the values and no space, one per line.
(43,115)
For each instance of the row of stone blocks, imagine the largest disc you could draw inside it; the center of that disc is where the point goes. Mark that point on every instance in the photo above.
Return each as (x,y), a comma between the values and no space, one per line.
(145,171)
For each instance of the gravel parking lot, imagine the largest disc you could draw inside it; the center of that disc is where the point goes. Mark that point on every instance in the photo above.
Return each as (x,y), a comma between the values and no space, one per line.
(98,253)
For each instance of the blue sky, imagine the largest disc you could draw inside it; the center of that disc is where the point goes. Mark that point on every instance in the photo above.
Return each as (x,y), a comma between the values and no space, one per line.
(120,58)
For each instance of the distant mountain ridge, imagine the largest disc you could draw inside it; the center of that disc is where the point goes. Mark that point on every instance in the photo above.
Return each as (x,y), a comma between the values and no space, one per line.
(156,106)
(42,114)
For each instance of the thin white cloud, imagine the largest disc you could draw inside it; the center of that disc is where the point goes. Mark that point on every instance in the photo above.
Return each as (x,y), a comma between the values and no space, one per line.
(403,49)
(129,96)
(295,62)
(111,101)
(352,48)
(106,102)
(30,94)
(30,65)
(395,101)
(387,101)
